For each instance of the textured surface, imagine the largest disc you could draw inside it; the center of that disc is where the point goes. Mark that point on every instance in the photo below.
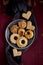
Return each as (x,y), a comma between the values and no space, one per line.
(34,55)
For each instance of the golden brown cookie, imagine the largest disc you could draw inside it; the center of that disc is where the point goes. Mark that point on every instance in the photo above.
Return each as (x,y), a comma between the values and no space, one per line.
(22,24)
(29,34)
(30,26)
(13,38)
(16,53)
(22,42)
(21,32)
(14,28)
(27,15)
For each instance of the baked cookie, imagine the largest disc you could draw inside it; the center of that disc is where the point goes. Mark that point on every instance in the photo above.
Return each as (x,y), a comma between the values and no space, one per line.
(22,24)
(14,28)
(29,23)
(29,34)
(16,53)
(26,15)
(21,32)
(30,26)
(22,42)
(13,38)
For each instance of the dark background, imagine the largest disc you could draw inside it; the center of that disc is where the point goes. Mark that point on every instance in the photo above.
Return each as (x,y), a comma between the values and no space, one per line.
(34,55)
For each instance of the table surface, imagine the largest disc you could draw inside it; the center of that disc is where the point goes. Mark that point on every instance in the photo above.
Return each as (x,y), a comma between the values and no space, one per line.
(34,55)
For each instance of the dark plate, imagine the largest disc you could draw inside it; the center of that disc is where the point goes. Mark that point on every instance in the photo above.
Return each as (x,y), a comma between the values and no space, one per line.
(21,7)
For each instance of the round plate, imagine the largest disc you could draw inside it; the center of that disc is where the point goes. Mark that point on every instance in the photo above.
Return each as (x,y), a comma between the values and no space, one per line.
(7,36)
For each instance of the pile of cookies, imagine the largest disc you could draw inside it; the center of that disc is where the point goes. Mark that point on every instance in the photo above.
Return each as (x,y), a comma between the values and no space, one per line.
(22,32)
(16,52)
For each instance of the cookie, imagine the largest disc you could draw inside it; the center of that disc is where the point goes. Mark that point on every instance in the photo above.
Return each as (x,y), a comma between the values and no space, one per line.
(29,34)
(26,15)
(16,53)
(22,42)
(21,32)
(14,28)
(22,24)
(13,38)
(29,23)
(30,26)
